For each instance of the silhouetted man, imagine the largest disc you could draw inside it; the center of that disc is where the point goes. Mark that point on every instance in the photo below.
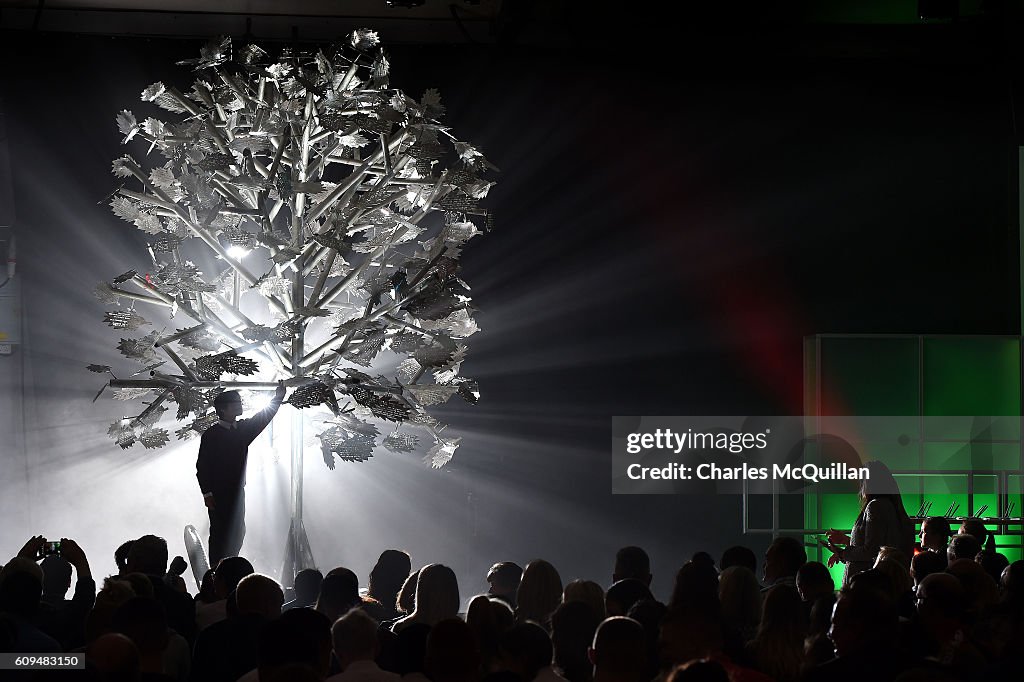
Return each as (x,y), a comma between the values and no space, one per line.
(61,618)
(223,453)
(864,631)
(148,555)
(504,578)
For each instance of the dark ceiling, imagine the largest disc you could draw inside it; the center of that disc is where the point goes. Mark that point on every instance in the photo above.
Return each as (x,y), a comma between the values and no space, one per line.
(550,22)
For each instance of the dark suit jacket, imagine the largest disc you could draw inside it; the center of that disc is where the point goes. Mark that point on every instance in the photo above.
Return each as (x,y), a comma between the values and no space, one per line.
(179,607)
(223,452)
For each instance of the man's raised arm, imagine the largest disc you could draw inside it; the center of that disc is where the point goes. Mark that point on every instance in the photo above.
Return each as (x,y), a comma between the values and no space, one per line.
(254,425)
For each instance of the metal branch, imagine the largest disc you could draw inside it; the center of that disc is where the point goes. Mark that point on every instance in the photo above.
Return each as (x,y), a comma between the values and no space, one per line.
(178,361)
(142,298)
(353,177)
(159,383)
(178,335)
(152,406)
(338,288)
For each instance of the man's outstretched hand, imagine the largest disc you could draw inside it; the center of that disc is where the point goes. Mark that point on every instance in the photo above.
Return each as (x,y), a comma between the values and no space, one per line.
(279,392)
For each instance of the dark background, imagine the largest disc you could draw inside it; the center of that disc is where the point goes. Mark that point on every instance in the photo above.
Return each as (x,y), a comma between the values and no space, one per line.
(678,207)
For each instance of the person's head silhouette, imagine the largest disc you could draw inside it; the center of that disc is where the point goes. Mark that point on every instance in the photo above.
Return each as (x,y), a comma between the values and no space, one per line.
(228,405)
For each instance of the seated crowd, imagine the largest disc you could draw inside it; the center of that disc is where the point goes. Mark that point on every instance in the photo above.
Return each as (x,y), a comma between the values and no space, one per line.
(953,611)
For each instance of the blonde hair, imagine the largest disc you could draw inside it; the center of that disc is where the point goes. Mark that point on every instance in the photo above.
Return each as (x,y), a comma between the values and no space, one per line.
(886,552)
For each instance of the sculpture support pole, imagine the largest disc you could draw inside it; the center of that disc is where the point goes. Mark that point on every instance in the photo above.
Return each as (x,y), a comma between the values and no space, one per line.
(297,473)
(297,552)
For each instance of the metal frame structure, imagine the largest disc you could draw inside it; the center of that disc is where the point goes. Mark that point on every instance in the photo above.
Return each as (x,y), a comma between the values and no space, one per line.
(1004,524)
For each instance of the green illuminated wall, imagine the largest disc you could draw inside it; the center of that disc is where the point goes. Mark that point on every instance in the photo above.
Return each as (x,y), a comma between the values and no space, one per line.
(930,376)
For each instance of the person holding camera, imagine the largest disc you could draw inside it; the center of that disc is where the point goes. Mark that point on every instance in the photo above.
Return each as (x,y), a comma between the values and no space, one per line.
(31,596)
(61,618)
(220,468)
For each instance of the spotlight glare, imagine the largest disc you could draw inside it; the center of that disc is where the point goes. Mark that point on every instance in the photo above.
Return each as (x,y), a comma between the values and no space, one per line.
(257,401)
(238,252)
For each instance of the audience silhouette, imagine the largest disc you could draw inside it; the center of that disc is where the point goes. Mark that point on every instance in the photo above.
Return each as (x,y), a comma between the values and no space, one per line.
(929,621)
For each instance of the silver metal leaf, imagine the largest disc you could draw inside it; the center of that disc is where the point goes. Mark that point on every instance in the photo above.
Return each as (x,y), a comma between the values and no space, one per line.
(153,91)
(148,223)
(207,368)
(154,127)
(430,103)
(127,125)
(154,438)
(407,342)
(124,319)
(126,394)
(197,427)
(215,52)
(401,442)
(257,332)
(177,278)
(251,54)
(308,395)
(236,364)
(420,418)
(165,244)
(216,161)
(240,238)
(469,390)
(382,406)
(363,39)
(346,445)
(125,209)
(200,340)
(407,370)
(459,324)
(122,433)
(189,400)
(353,141)
(364,352)
(442,452)
(431,394)
(162,178)
(139,349)
(434,355)
(105,293)
(356,448)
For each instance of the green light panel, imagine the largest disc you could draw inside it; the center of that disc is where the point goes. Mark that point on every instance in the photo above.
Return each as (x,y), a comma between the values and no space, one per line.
(954,377)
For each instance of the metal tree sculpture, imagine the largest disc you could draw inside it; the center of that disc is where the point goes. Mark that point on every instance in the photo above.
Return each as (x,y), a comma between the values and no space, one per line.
(352,202)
